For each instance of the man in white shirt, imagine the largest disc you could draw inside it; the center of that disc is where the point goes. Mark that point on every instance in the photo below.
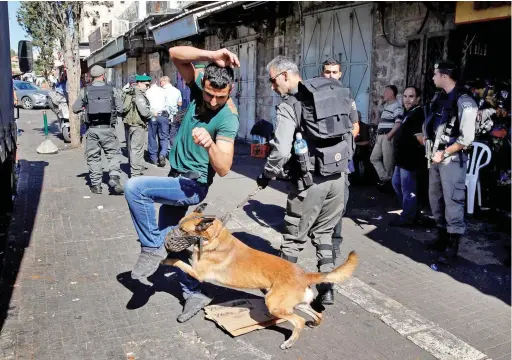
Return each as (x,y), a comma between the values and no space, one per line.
(158,127)
(174,101)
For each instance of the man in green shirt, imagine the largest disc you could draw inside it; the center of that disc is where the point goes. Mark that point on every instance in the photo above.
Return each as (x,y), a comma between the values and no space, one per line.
(204,146)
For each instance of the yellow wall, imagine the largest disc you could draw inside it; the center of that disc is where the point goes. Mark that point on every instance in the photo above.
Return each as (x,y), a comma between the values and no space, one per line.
(466,14)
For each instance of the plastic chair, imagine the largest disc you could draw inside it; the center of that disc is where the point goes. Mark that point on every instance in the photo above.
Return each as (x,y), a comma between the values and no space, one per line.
(475,164)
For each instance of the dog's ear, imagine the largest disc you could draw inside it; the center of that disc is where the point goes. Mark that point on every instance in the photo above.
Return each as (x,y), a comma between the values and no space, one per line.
(200,208)
(204,224)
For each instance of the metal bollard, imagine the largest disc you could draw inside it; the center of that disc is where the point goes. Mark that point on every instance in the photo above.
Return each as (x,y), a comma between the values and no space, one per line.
(45,120)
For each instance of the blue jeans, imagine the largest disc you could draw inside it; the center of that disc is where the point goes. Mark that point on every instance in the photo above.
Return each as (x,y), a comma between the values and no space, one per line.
(173,131)
(175,195)
(158,127)
(404,183)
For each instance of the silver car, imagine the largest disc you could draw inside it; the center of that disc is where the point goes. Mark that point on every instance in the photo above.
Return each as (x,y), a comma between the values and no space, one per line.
(29,95)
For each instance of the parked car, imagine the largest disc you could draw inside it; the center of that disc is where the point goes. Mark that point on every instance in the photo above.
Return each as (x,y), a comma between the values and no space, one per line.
(29,95)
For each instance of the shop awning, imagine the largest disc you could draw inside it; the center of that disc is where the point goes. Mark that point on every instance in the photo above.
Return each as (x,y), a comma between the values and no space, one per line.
(116,61)
(186,24)
(108,51)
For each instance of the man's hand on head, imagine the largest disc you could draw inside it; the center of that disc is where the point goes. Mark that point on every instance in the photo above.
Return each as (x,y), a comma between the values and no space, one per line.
(224,58)
(202,137)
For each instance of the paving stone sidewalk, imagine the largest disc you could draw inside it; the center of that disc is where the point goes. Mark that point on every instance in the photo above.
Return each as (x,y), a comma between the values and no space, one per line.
(69,255)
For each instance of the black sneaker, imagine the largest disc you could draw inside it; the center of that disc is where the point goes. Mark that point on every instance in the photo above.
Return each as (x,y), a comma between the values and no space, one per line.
(115,183)
(193,304)
(161,161)
(95,189)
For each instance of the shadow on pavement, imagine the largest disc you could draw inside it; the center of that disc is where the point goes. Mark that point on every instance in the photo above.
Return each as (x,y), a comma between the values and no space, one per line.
(265,214)
(367,203)
(30,183)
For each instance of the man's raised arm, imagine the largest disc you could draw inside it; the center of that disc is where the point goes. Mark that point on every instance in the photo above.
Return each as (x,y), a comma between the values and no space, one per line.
(183,56)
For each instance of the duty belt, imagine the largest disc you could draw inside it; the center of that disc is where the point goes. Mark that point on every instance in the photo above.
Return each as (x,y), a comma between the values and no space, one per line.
(102,126)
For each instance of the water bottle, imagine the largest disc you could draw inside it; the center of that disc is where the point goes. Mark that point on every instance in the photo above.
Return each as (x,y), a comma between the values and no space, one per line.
(301,150)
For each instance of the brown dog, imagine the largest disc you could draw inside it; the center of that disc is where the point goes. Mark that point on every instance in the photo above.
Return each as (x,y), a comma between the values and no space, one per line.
(228,261)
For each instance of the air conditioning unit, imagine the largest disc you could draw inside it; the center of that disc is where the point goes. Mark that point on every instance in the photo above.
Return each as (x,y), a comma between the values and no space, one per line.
(118,27)
(105,32)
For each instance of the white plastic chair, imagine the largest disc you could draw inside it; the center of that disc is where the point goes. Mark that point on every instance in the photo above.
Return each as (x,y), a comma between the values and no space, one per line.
(475,164)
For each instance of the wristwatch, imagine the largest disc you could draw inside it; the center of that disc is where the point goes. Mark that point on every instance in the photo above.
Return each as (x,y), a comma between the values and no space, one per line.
(446,154)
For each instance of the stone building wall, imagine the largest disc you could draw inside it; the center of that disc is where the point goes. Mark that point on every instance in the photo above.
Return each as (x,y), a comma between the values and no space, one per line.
(389,63)
(281,39)
(285,40)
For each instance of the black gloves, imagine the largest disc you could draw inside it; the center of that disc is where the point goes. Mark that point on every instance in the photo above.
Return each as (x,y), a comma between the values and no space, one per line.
(262,181)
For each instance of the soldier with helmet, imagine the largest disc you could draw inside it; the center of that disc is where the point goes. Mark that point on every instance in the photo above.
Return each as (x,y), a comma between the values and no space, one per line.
(448,131)
(97,100)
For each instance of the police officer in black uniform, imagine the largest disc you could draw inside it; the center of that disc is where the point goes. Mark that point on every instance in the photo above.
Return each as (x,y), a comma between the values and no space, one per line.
(449,130)
(98,102)
(315,200)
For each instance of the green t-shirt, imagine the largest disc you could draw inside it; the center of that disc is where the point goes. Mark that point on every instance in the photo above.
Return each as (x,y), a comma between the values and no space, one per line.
(185,154)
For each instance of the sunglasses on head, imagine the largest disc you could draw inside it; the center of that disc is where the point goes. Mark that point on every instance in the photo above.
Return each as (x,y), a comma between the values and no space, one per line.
(272,80)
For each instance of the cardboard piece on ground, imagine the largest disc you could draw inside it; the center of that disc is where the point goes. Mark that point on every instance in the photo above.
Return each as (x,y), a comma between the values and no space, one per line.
(241,316)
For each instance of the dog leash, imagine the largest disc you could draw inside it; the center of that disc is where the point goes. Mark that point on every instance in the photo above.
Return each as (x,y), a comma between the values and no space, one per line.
(224,219)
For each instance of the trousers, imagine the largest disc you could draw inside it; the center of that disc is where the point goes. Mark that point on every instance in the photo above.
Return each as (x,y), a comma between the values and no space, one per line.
(337,236)
(106,139)
(312,214)
(158,137)
(404,183)
(382,157)
(135,141)
(175,194)
(447,193)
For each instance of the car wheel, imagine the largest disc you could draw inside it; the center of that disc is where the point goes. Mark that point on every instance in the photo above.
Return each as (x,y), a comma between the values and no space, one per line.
(27,103)
(66,135)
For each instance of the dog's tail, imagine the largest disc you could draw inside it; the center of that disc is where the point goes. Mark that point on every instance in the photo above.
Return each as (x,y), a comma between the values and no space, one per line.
(338,275)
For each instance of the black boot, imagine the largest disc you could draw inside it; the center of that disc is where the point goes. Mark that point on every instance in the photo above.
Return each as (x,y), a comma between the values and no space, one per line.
(441,242)
(95,189)
(450,254)
(115,183)
(325,294)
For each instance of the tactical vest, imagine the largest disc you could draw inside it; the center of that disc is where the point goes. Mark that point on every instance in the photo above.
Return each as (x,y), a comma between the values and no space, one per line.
(100,105)
(322,108)
(446,112)
(132,116)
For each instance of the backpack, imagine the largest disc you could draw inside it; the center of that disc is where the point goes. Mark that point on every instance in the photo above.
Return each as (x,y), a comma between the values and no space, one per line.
(322,107)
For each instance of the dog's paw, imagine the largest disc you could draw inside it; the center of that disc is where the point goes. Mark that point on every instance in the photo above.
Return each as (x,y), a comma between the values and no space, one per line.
(311,324)
(286,345)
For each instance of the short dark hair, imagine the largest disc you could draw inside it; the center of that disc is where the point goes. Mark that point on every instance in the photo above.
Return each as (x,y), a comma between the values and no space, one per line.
(219,77)
(416,90)
(330,61)
(449,68)
(393,88)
